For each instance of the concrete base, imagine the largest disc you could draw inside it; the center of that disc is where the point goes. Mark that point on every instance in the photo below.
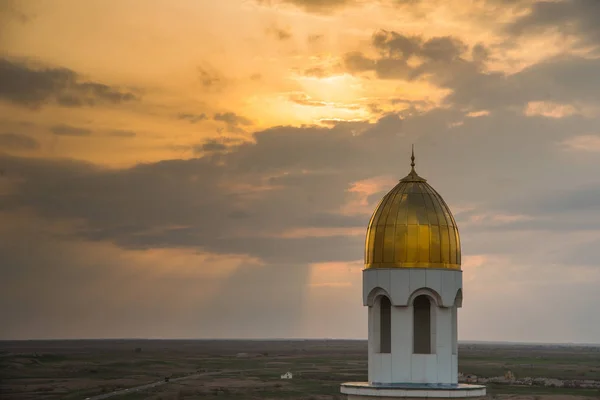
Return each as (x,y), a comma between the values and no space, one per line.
(406,391)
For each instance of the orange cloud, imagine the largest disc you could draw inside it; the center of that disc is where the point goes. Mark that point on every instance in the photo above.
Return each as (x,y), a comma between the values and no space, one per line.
(335,274)
(322,232)
(549,109)
(474,261)
(476,114)
(497,219)
(587,143)
(360,192)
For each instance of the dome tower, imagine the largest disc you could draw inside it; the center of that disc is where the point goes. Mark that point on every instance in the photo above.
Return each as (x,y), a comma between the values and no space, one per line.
(412,227)
(412,287)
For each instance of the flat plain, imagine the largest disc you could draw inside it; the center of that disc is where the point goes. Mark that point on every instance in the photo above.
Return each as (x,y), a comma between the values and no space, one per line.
(252,369)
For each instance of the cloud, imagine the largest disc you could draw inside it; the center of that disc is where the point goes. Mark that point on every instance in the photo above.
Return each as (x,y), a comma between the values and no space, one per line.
(584,143)
(441,57)
(262,204)
(316,72)
(549,109)
(316,6)
(27,86)
(18,141)
(192,208)
(494,219)
(192,118)
(233,121)
(448,63)
(296,179)
(141,280)
(211,146)
(477,114)
(122,133)
(514,154)
(280,33)
(210,78)
(573,17)
(305,100)
(67,130)
(10,10)
(562,80)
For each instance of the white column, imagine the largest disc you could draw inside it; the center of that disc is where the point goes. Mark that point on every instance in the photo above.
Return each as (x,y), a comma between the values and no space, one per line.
(402,339)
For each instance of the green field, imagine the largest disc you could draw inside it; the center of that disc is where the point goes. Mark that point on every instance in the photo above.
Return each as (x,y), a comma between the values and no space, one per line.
(252,369)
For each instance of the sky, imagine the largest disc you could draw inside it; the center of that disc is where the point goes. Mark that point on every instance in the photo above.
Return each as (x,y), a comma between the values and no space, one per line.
(207,169)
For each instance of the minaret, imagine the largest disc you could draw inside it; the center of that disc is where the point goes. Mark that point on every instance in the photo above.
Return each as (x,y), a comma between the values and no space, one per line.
(412,287)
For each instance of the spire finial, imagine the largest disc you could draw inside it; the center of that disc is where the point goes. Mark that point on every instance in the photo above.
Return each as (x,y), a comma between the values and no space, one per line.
(413,176)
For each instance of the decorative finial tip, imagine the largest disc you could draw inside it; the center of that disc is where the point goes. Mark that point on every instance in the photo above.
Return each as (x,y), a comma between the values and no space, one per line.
(412,157)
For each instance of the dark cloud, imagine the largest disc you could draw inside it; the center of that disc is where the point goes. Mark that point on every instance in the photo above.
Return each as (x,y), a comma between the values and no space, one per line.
(562,79)
(211,146)
(18,141)
(233,121)
(288,179)
(317,6)
(443,58)
(184,203)
(573,17)
(357,62)
(192,118)
(317,72)
(122,133)
(11,10)
(480,53)
(449,63)
(568,208)
(328,6)
(177,204)
(211,79)
(280,33)
(67,130)
(292,178)
(27,86)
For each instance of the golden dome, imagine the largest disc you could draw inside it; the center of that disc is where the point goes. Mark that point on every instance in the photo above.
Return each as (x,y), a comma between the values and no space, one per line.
(412,227)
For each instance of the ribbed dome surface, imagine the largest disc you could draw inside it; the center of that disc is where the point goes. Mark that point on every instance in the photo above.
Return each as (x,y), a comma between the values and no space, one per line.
(412,227)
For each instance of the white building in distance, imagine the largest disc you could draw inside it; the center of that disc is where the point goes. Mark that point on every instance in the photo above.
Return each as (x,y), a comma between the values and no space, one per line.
(412,286)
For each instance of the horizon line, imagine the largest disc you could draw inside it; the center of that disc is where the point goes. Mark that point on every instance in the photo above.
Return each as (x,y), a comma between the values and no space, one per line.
(287,339)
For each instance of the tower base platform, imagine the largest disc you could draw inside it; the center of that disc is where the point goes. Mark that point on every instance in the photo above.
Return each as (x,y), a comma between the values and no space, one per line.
(406,391)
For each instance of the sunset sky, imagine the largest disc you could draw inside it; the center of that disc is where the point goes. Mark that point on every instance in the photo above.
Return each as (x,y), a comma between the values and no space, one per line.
(207,169)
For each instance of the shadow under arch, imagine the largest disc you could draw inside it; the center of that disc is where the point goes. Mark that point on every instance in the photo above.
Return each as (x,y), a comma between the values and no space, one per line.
(434,296)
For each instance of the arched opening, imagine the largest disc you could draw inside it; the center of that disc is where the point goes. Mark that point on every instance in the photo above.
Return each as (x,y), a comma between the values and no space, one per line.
(422,337)
(385,325)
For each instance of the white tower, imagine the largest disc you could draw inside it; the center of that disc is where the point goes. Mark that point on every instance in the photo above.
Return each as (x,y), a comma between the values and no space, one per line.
(412,286)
